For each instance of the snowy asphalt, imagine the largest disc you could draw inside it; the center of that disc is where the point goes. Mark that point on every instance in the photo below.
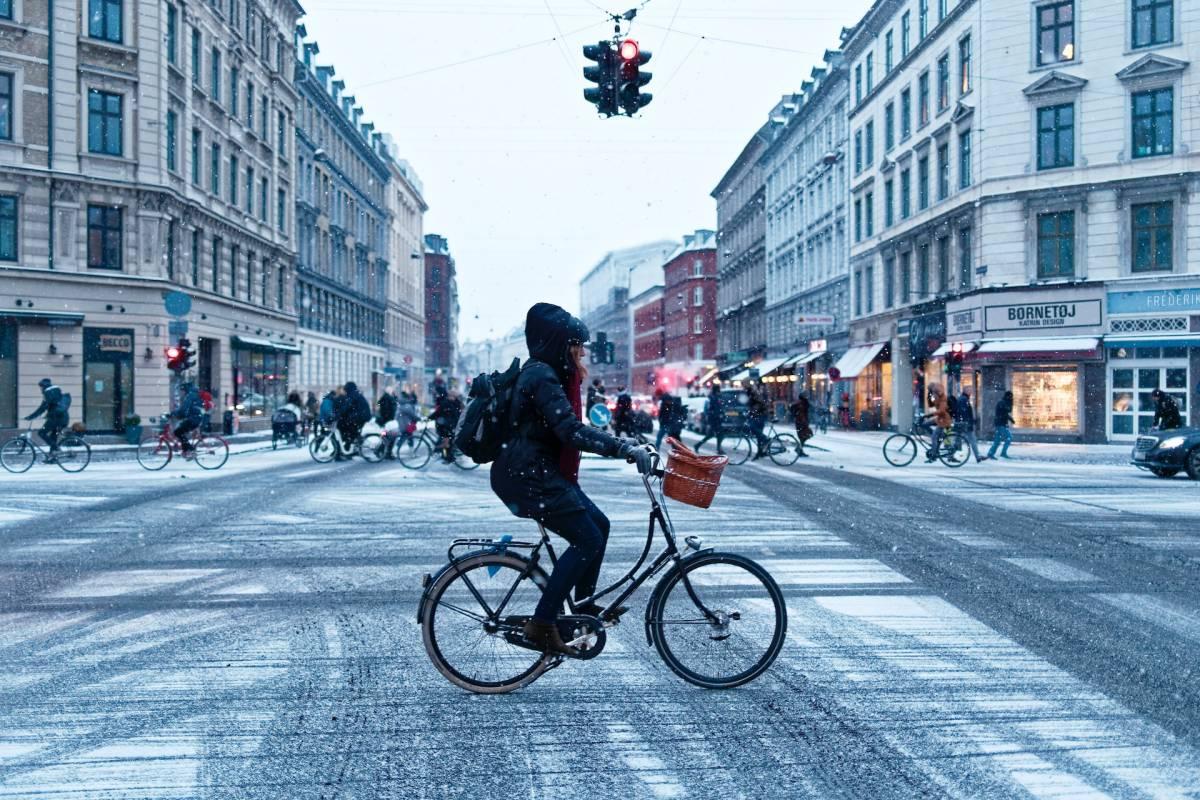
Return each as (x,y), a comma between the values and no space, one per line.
(1009,630)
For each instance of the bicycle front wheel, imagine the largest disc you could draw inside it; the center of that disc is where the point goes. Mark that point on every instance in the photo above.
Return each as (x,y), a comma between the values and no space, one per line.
(74,454)
(718,620)
(784,449)
(211,452)
(954,451)
(17,455)
(323,448)
(900,449)
(461,460)
(414,452)
(372,448)
(738,449)
(154,454)
(465,615)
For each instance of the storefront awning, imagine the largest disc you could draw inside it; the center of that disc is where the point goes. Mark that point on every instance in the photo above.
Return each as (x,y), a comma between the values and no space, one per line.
(967,347)
(741,376)
(1153,340)
(856,359)
(768,365)
(265,345)
(807,358)
(708,376)
(1067,344)
(50,317)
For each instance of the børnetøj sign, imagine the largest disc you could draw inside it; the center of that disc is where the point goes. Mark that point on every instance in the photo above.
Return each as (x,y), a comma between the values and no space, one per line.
(1058,315)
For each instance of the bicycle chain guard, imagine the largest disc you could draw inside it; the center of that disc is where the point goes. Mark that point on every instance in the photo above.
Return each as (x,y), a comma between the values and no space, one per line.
(586,634)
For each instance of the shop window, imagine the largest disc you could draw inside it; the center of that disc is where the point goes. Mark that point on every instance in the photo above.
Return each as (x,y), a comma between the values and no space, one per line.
(1046,399)
(1153,22)
(1154,123)
(8,374)
(104,122)
(1056,136)
(1056,244)
(104,20)
(260,381)
(1055,32)
(104,226)
(6,106)
(1153,237)
(8,228)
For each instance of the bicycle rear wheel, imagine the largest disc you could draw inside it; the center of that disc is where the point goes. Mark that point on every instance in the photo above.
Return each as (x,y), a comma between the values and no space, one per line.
(74,454)
(155,453)
(740,450)
(784,449)
(323,448)
(414,452)
(954,451)
(17,455)
(463,623)
(372,448)
(900,449)
(740,636)
(211,452)
(461,460)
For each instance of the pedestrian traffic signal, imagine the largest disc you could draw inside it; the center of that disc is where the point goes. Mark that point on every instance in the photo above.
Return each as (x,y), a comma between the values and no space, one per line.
(630,78)
(954,359)
(604,94)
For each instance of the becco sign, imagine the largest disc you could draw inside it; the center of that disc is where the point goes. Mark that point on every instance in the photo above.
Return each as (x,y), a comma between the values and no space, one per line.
(1058,315)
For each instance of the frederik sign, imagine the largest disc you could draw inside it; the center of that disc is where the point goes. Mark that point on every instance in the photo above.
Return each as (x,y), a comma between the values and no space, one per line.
(1026,316)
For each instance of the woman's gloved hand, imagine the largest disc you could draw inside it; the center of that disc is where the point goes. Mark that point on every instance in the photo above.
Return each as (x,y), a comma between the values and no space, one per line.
(638,454)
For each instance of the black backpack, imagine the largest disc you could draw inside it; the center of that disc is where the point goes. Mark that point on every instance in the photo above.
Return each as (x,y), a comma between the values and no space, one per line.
(485,429)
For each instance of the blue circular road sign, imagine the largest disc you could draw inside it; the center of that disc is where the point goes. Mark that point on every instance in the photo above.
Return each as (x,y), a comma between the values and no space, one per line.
(178,304)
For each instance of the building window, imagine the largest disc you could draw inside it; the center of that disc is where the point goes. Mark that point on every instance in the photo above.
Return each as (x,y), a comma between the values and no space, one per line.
(281,211)
(234,256)
(282,146)
(104,20)
(889,204)
(249,190)
(196,156)
(922,19)
(1056,32)
(889,127)
(942,9)
(905,114)
(889,282)
(6,9)
(1154,123)
(1056,136)
(870,71)
(964,65)
(943,168)
(172,141)
(698,296)
(858,151)
(196,66)
(172,34)
(8,228)
(1056,245)
(943,263)
(905,278)
(698,324)
(214,177)
(215,77)
(250,106)
(869,146)
(923,270)
(1153,22)
(1153,237)
(943,83)
(858,229)
(923,183)
(216,263)
(698,269)
(234,89)
(905,193)
(869,213)
(196,257)
(965,259)
(104,237)
(905,33)
(858,84)
(888,62)
(263,111)
(964,159)
(923,99)
(858,304)
(263,206)
(233,181)
(104,123)
(870,289)
(6,106)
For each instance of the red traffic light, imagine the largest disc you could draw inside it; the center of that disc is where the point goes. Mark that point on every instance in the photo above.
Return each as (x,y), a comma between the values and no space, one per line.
(957,347)
(173,353)
(629,50)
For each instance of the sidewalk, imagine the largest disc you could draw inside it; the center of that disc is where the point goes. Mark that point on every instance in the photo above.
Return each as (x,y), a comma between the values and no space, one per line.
(1108,454)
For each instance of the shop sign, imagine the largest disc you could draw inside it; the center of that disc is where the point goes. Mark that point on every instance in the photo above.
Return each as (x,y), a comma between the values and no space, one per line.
(815,319)
(926,334)
(964,321)
(1057,315)
(818,346)
(116,343)
(1154,301)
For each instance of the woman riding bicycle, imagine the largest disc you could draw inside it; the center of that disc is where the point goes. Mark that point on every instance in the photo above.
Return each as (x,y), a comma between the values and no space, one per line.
(537,474)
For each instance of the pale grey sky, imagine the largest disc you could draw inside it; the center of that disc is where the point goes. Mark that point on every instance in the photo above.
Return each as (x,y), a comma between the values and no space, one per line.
(529,185)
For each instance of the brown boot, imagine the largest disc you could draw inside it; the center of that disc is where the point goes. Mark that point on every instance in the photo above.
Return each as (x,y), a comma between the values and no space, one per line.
(546,636)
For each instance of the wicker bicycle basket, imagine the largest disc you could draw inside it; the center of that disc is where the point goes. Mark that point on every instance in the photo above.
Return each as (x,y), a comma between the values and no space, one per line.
(692,479)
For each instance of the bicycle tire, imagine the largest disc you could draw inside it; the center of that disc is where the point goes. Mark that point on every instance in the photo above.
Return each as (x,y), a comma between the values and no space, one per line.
(497,573)
(414,453)
(900,449)
(149,457)
(74,454)
(372,448)
(211,452)
(954,451)
(17,455)
(724,581)
(740,452)
(462,460)
(323,448)
(784,449)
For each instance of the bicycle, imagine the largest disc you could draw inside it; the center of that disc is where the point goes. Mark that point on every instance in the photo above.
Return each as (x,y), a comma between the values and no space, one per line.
(209,451)
(72,455)
(326,443)
(783,448)
(901,449)
(708,608)
(414,451)
(823,420)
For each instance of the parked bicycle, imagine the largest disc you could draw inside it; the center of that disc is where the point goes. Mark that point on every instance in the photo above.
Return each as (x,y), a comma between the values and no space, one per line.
(718,620)
(901,449)
(19,454)
(415,450)
(327,441)
(209,450)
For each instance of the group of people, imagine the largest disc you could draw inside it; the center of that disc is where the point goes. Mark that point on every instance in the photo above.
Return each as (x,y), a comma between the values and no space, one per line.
(758,414)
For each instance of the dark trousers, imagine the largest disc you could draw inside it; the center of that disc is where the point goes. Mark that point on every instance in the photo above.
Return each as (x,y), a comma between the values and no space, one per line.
(710,432)
(757,424)
(181,433)
(586,530)
(49,434)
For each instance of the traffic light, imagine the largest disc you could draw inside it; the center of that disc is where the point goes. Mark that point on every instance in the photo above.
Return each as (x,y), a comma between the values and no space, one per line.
(598,349)
(954,359)
(610,353)
(604,94)
(180,358)
(189,355)
(630,78)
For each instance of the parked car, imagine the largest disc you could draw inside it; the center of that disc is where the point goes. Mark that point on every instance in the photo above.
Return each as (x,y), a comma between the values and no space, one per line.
(734,401)
(1167,453)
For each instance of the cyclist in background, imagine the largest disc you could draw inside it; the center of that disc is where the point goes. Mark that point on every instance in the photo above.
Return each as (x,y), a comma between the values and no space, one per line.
(190,414)
(54,406)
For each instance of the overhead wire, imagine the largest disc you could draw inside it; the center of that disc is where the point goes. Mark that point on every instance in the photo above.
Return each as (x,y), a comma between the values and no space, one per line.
(562,47)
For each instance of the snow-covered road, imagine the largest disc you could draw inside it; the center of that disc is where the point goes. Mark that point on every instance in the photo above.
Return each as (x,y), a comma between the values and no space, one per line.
(1017,629)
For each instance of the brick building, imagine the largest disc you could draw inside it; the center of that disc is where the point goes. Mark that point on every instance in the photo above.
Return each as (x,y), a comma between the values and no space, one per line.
(690,306)
(441,310)
(649,342)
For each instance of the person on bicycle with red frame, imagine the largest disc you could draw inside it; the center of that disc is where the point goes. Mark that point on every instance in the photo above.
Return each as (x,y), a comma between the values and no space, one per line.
(190,414)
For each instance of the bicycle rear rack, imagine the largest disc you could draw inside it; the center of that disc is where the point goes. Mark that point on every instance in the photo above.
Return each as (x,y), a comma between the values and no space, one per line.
(495,545)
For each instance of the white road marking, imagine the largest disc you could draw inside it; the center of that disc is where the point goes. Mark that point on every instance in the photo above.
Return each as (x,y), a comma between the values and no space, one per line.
(1052,570)
(648,767)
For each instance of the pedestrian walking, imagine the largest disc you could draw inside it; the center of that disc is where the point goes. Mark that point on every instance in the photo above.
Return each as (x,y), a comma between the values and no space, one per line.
(939,417)
(671,416)
(714,419)
(964,423)
(1001,422)
(55,404)
(1166,411)
(623,424)
(757,411)
(800,411)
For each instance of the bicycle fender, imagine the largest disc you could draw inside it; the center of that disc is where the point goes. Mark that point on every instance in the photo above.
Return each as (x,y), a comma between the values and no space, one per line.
(656,595)
(428,580)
